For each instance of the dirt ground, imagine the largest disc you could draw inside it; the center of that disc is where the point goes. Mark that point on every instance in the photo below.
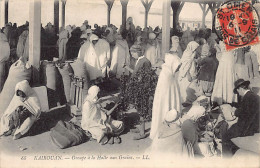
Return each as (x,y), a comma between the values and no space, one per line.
(38,141)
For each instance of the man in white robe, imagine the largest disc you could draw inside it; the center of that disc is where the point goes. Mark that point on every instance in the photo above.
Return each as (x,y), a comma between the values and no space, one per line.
(85,45)
(98,121)
(96,57)
(167,94)
(120,57)
(24,97)
(151,50)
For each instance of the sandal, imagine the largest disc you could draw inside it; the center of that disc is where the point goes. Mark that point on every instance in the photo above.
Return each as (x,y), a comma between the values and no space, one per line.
(104,140)
(117,140)
(111,141)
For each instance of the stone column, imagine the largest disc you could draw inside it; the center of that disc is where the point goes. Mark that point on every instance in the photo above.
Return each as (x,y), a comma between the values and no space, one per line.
(6,11)
(56,16)
(35,38)
(205,11)
(166,27)
(63,5)
(109,7)
(124,12)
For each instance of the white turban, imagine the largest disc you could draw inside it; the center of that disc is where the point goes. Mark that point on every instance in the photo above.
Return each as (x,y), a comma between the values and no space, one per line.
(88,31)
(93,37)
(93,91)
(152,36)
(196,112)
(171,115)
(175,43)
(84,36)
(205,50)
(227,110)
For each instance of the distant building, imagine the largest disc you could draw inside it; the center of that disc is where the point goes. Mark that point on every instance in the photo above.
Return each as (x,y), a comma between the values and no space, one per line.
(193,24)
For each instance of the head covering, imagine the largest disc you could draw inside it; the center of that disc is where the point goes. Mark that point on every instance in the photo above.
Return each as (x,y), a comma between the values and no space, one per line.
(85,22)
(3,37)
(136,48)
(187,58)
(32,102)
(171,116)
(196,112)
(175,43)
(129,20)
(93,37)
(152,36)
(88,31)
(205,50)
(93,92)
(157,30)
(68,28)
(240,82)
(226,110)
(138,28)
(84,36)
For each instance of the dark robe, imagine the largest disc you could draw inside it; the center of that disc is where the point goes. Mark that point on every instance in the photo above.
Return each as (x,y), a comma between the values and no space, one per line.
(142,63)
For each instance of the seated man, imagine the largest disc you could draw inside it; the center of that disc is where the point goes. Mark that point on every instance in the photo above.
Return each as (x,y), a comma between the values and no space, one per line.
(98,121)
(248,117)
(22,112)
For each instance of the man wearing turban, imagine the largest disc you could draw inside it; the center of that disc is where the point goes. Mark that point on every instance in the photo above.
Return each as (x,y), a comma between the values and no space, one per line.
(151,52)
(98,121)
(96,57)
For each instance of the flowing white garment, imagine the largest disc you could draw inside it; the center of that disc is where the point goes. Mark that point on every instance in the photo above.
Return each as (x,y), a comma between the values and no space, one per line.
(167,94)
(4,48)
(96,122)
(256,50)
(252,64)
(32,103)
(120,56)
(170,142)
(92,63)
(188,66)
(151,54)
(225,78)
(102,49)
(83,50)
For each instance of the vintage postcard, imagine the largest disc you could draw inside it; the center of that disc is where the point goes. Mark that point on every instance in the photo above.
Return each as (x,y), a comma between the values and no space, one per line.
(129,83)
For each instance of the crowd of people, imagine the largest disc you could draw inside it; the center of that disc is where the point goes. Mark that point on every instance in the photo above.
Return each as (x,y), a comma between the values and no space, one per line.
(196,76)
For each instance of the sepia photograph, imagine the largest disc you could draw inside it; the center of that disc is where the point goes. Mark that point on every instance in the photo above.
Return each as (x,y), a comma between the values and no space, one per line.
(129,83)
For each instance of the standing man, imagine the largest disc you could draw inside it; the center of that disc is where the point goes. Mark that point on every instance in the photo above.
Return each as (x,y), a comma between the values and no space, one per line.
(137,52)
(248,117)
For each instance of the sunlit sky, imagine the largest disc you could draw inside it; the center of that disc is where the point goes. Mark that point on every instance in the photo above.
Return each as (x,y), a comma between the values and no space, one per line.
(95,11)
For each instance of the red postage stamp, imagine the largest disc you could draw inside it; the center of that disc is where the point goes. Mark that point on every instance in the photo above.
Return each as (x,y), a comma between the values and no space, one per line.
(237,24)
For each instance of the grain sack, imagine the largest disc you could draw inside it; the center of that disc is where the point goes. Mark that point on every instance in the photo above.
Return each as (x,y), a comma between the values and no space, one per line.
(65,71)
(2,75)
(50,79)
(19,71)
(79,70)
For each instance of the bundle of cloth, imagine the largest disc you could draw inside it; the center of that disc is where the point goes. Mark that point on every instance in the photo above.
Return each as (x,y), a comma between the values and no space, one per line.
(23,110)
